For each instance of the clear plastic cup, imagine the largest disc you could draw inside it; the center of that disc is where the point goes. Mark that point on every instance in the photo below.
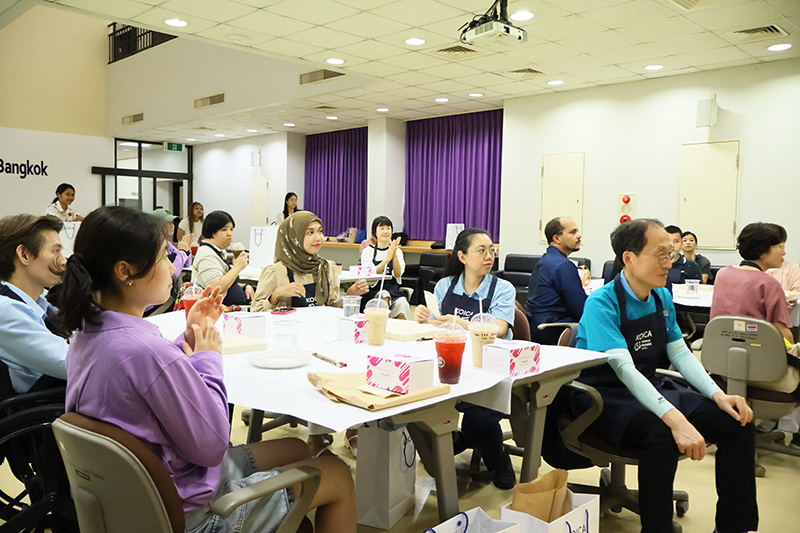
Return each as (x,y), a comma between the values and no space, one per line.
(286,335)
(693,288)
(450,340)
(483,330)
(351,305)
(377,313)
(191,294)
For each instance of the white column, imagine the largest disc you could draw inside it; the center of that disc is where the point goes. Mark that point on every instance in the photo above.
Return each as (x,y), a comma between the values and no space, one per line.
(386,170)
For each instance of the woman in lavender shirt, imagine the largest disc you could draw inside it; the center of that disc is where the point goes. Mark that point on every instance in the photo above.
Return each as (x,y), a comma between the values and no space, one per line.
(171,395)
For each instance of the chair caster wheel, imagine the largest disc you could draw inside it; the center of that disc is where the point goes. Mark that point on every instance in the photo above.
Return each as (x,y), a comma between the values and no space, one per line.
(760,471)
(681,507)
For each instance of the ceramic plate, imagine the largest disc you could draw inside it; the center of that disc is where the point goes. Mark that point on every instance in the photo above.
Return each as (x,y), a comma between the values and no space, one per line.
(279,359)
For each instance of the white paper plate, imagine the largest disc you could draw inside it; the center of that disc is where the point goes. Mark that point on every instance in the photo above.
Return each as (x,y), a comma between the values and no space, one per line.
(279,359)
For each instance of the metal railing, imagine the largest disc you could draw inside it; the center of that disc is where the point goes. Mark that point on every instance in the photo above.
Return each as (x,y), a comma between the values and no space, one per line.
(125,41)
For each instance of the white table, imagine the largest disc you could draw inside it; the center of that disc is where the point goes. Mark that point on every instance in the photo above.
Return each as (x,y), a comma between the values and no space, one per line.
(702,302)
(254,274)
(430,421)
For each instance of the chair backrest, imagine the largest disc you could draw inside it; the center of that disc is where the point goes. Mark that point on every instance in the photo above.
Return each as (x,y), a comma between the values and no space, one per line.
(569,336)
(521,329)
(743,349)
(608,270)
(118,484)
(521,262)
(713,273)
(583,262)
(433,259)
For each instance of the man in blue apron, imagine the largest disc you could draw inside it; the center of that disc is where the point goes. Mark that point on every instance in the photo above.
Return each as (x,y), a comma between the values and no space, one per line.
(633,321)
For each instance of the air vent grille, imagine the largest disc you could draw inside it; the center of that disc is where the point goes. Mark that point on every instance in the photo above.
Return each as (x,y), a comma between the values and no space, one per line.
(132,119)
(456,52)
(688,5)
(525,73)
(318,75)
(325,108)
(758,34)
(215,99)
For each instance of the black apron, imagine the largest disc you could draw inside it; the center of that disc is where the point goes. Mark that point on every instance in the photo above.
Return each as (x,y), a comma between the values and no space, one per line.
(235,294)
(310,299)
(647,340)
(461,305)
(390,284)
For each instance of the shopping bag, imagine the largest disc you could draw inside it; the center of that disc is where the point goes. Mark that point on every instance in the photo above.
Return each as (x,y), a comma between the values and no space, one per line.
(387,467)
(474,521)
(582,516)
(262,246)
(450,236)
(68,233)
(543,497)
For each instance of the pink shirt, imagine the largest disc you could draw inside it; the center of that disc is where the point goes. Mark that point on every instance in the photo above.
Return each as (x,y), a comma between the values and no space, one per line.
(745,292)
(788,275)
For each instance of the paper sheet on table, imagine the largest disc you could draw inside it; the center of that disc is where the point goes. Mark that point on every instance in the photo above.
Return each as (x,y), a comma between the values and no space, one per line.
(344,388)
(233,343)
(432,304)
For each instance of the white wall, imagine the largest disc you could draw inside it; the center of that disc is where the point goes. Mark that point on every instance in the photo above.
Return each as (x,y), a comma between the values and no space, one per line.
(632,134)
(69,158)
(223,174)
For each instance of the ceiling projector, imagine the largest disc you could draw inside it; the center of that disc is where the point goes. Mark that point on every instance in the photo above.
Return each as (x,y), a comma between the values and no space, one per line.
(495,34)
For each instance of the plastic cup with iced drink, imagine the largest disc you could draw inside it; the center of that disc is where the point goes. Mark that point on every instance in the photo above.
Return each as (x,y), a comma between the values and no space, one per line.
(482,330)
(351,305)
(191,294)
(377,313)
(450,340)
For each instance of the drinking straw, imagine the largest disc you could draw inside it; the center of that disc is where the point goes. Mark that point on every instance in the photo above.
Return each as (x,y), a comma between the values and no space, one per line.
(480,304)
(383,277)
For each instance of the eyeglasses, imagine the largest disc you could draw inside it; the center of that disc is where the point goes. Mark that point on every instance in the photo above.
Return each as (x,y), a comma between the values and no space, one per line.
(482,250)
(662,257)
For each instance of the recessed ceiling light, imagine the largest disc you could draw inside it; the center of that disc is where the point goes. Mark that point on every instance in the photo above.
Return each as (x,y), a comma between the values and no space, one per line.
(334,61)
(779,47)
(129,144)
(654,67)
(252,131)
(555,82)
(219,135)
(289,124)
(191,139)
(176,23)
(331,117)
(415,41)
(476,95)
(441,100)
(382,110)
(521,16)
(126,149)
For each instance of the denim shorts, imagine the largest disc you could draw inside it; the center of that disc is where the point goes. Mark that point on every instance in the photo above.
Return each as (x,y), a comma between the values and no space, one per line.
(262,515)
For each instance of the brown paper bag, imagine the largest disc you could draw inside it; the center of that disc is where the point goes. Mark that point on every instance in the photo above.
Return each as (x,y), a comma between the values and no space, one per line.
(544,497)
(345,388)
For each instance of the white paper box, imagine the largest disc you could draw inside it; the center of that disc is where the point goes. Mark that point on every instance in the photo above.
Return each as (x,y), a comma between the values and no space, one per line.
(249,325)
(362,270)
(399,373)
(511,358)
(584,517)
(353,329)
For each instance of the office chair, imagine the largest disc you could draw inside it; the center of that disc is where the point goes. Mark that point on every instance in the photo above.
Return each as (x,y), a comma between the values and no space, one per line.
(120,486)
(579,439)
(739,351)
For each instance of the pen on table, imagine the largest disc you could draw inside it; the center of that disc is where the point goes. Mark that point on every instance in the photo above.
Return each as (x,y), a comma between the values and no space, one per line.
(334,362)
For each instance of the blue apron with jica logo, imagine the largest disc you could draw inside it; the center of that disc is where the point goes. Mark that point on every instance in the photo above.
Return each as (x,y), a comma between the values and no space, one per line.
(461,305)
(647,340)
(310,299)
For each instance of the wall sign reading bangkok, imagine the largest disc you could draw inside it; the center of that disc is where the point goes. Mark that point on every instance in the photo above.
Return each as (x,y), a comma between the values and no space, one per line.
(23,170)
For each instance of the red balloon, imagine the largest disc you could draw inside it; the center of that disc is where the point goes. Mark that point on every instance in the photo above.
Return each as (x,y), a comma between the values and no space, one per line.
(624,218)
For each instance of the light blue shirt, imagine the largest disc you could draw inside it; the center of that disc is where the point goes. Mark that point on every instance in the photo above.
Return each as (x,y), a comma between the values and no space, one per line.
(26,345)
(502,307)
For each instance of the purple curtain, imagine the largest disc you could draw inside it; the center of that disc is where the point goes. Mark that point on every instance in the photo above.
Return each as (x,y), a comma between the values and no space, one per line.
(453,174)
(336,179)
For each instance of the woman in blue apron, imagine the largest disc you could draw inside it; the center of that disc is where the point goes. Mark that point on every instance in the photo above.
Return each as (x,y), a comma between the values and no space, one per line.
(633,321)
(466,279)
(386,256)
(210,268)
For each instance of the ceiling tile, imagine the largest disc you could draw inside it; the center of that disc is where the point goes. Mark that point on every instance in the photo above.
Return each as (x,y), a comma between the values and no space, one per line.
(446,86)
(485,79)
(270,23)
(661,30)
(418,12)
(689,43)
(219,10)
(382,98)
(384,85)
(717,55)
(432,39)
(760,49)
(411,114)
(581,6)
(740,16)
(368,25)
(350,60)
(410,103)
(516,88)
(363,4)
(477,7)
(610,72)
(413,78)
(313,11)
(373,50)
(628,54)
(323,37)
(670,64)
(415,61)
(603,40)
(288,48)
(125,9)
(156,17)
(233,35)
(255,3)
(451,70)
(542,10)
(565,28)
(473,105)
(629,13)
(450,28)
(731,64)
(353,93)
(352,103)
(571,64)
(543,52)
(412,92)
(789,8)
(495,62)
(377,68)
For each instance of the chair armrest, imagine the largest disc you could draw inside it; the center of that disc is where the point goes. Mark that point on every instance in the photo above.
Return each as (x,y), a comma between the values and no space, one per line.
(574,430)
(58,394)
(673,375)
(307,476)
(554,324)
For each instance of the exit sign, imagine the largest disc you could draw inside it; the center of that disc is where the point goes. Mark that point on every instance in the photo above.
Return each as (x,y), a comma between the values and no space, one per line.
(173,147)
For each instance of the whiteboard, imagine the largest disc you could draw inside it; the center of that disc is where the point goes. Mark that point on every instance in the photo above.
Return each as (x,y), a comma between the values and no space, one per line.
(709,193)
(562,188)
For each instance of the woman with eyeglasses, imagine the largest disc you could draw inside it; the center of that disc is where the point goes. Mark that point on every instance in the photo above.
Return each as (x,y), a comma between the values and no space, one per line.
(632,320)
(465,282)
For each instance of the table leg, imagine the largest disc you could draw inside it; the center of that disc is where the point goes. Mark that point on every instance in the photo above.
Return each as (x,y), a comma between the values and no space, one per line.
(254,430)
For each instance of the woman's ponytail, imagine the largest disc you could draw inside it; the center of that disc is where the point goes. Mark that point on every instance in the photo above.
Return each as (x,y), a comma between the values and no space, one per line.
(74,297)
